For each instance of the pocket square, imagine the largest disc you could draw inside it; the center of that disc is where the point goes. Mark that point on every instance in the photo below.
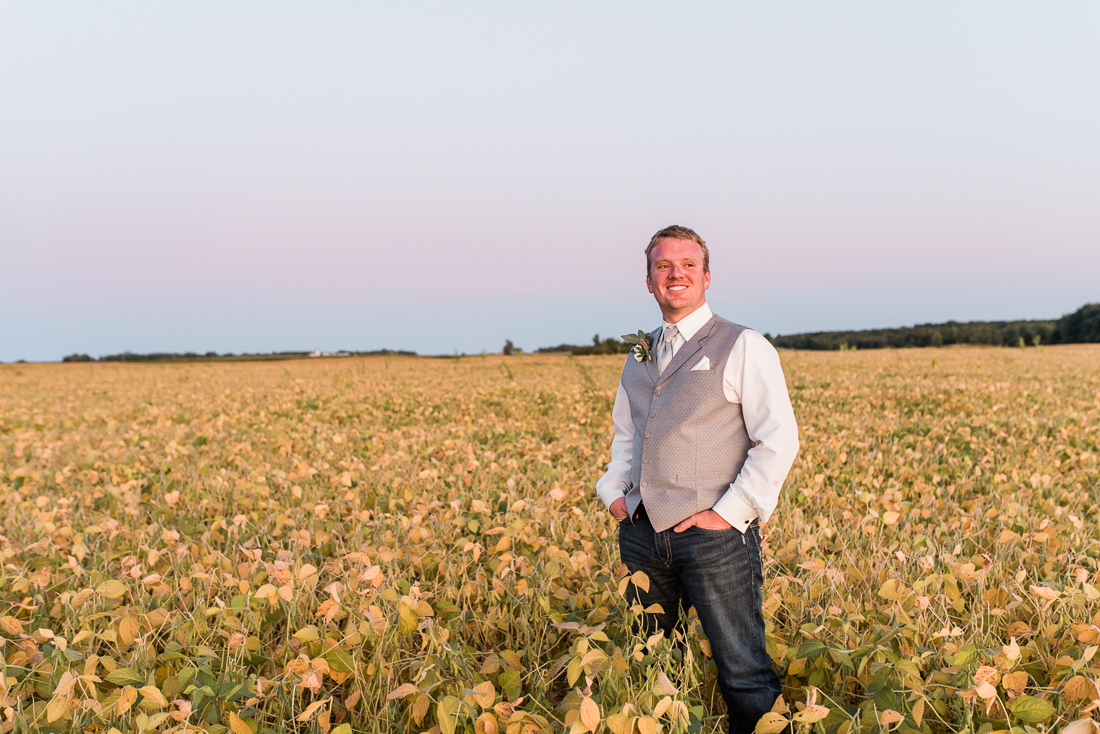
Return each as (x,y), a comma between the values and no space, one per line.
(704,364)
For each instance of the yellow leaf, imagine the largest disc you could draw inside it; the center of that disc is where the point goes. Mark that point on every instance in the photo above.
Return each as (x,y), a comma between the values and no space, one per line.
(267,592)
(239,725)
(11,626)
(126,699)
(57,708)
(890,517)
(889,716)
(1044,592)
(617,723)
(485,694)
(771,723)
(1015,682)
(407,621)
(590,714)
(918,711)
(890,589)
(1080,688)
(127,630)
(486,724)
(812,713)
(641,580)
(405,689)
(445,714)
(646,725)
(310,711)
(151,697)
(1011,650)
(112,589)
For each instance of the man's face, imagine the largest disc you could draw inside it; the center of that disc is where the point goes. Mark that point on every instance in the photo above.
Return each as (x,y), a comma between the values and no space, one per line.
(676,277)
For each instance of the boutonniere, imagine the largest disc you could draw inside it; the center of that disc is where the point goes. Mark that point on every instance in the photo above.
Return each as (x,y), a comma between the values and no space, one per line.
(643,345)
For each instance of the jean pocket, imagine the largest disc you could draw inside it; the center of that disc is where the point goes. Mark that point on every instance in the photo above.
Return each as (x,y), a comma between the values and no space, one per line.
(717,531)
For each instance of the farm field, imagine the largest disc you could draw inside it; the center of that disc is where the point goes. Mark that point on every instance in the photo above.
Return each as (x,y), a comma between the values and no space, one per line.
(402,544)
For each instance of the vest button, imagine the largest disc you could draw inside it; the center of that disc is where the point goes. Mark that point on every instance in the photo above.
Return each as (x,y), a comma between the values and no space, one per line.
(647,435)
(645,484)
(652,415)
(645,461)
(657,391)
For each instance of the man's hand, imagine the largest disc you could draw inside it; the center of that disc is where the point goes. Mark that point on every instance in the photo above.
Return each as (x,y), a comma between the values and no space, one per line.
(618,509)
(707,519)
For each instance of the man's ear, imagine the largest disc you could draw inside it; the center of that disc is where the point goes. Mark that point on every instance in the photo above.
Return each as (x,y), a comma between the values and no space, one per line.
(706,280)
(649,284)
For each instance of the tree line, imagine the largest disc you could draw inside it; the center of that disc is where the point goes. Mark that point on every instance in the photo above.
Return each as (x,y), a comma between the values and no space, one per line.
(228,357)
(1080,327)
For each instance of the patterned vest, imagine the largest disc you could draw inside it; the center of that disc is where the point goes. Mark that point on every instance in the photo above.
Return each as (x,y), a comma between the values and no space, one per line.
(689,441)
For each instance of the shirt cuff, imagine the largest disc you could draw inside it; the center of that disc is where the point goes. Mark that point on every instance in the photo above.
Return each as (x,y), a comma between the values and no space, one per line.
(735,510)
(611,492)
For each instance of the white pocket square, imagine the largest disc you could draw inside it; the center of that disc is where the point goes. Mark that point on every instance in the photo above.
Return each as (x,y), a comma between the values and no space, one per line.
(704,364)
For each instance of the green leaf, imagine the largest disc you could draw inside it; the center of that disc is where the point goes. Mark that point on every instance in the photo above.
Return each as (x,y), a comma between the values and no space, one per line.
(342,729)
(340,661)
(509,681)
(843,658)
(967,654)
(186,676)
(631,339)
(811,649)
(125,677)
(1031,709)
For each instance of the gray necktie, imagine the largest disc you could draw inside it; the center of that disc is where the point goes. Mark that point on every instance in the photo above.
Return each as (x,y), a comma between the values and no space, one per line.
(665,355)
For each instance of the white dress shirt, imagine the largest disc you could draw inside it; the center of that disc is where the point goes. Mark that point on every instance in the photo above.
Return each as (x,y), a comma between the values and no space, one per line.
(753,377)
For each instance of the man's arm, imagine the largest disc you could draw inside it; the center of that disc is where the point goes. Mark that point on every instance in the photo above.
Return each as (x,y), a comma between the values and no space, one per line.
(615,482)
(754,377)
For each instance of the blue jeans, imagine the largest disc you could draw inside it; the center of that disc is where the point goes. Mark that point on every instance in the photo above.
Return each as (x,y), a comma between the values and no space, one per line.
(719,572)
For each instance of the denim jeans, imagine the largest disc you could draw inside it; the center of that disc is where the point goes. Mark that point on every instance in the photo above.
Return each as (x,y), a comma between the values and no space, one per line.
(719,572)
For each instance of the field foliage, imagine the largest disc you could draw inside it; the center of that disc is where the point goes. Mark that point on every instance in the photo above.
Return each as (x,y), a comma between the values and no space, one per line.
(396,544)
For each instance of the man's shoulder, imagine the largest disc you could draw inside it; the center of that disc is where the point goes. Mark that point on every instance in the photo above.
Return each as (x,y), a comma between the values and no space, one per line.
(725,325)
(750,337)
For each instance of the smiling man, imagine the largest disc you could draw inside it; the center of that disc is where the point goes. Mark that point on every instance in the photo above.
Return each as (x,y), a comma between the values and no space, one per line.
(704,438)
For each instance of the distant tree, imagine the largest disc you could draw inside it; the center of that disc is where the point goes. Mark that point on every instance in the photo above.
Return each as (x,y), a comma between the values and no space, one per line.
(77,358)
(509,348)
(1080,327)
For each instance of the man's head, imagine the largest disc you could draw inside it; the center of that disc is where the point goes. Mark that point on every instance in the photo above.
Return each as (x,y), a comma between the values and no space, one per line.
(677,271)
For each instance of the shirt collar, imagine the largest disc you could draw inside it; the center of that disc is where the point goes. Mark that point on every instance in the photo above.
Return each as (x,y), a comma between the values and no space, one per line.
(690,324)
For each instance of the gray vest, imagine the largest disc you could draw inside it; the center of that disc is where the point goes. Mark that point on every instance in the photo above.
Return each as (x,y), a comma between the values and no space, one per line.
(689,441)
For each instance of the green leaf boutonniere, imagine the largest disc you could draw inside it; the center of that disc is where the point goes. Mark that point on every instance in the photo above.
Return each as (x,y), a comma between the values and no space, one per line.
(643,345)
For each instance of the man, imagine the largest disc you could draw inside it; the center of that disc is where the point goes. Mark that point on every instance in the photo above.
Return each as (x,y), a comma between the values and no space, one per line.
(704,438)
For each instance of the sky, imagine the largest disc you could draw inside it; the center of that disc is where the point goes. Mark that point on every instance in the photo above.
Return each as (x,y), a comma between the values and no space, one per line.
(255,177)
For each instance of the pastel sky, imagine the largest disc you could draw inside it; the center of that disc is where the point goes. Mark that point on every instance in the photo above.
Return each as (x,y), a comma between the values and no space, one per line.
(268,176)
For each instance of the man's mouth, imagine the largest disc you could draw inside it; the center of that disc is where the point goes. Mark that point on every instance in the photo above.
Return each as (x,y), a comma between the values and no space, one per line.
(677,287)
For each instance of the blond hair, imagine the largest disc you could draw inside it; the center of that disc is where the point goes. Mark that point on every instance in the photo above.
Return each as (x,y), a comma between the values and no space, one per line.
(676,232)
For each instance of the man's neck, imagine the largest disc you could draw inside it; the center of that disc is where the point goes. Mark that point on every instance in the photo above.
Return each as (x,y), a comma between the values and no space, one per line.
(679,315)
